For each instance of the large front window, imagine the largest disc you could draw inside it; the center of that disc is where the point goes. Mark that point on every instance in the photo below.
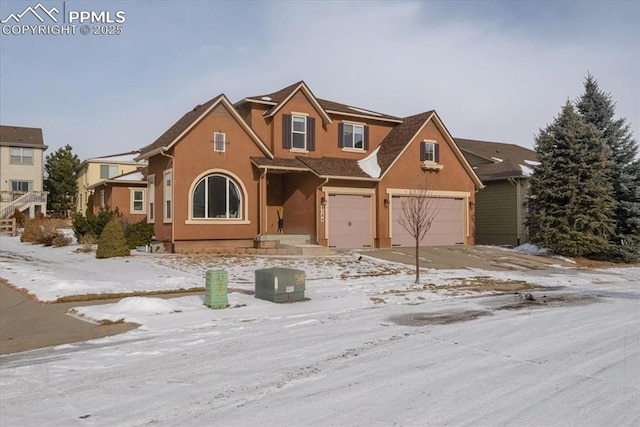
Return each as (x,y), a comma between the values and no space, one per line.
(21,156)
(168,195)
(353,136)
(216,197)
(299,132)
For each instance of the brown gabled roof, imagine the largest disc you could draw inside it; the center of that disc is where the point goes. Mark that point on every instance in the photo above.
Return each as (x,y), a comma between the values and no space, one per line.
(355,111)
(171,136)
(497,150)
(398,138)
(332,167)
(503,160)
(277,97)
(22,136)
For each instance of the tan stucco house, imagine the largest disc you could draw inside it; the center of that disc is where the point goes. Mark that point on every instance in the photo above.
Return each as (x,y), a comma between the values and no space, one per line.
(21,171)
(224,175)
(501,207)
(92,171)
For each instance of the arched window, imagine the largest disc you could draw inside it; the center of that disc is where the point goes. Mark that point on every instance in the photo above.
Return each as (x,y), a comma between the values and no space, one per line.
(216,196)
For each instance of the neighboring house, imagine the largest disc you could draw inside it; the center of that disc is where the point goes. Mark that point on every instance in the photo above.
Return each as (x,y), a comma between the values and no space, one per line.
(127,192)
(501,207)
(223,175)
(21,171)
(92,171)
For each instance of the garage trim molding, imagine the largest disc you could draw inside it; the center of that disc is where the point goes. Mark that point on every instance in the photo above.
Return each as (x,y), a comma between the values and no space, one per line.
(465,195)
(354,192)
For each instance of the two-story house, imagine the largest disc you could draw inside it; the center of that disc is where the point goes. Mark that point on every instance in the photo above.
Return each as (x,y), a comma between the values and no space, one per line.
(21,171)
(92,171)
(228,175)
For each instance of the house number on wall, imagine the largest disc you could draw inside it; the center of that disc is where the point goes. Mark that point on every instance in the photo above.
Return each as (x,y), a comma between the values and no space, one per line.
(321,213)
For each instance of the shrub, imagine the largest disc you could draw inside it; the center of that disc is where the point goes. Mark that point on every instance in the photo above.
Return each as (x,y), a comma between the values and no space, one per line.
(32,231)
(138,234)
(87,241)
(61,240)
(48,232)
(112,242)
(20,217)
(92,224)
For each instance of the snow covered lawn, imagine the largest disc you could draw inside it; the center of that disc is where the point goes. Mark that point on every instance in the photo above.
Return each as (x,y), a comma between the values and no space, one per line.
(368,348)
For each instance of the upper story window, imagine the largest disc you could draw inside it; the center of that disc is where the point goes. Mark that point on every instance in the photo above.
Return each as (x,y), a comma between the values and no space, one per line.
(21,156)
(108,171)
(353,136)
(218,142)
(429,152)
(299,132)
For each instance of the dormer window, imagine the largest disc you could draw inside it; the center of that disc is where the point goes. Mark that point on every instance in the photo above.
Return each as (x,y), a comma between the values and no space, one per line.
(353,137)
(299,132)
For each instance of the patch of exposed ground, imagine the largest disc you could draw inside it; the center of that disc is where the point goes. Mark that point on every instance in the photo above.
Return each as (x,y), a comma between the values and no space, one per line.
(530,300)
(439,318)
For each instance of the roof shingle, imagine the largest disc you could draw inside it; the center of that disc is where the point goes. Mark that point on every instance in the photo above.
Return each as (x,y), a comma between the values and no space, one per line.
(17,135)
(398,137)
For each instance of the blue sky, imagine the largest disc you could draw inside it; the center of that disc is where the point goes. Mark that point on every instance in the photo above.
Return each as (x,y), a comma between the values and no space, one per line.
(496,71)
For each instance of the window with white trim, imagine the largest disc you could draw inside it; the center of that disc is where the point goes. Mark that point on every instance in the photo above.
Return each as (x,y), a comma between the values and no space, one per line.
(137,201)
(168,195)
(299,132)
(219,141)
(21,156)
(102,201)
(151,195)
(216,196)
(353,136)
(429,152)
(108,171)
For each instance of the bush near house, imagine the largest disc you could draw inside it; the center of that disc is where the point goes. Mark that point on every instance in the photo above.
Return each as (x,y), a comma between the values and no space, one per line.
(138,234)
(44,231)
(91,223)
(112,242)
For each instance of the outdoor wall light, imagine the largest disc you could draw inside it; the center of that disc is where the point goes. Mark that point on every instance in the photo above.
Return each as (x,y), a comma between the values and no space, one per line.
(323,201)
(386,203)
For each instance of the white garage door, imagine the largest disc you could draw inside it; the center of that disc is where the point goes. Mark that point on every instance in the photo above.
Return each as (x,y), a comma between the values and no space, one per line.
(447,227)
(349,221)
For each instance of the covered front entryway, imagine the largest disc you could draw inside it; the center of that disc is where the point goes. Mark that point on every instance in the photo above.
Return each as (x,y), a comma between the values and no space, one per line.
(350,223)
(447,228)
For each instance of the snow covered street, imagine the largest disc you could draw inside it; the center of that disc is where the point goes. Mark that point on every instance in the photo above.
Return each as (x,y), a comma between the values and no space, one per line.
(368,348)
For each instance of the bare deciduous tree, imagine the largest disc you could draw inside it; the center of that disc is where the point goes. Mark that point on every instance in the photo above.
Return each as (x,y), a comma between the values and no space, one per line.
(418,212)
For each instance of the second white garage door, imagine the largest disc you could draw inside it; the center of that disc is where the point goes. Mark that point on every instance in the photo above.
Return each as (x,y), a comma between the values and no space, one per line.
(349,221)
(447,227)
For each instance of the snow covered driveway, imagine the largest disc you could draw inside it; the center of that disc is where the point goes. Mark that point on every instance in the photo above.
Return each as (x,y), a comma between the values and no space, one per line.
(368,348)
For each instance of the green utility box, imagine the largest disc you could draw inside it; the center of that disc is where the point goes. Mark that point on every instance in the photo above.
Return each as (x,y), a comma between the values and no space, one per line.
(216,289)
(280,284)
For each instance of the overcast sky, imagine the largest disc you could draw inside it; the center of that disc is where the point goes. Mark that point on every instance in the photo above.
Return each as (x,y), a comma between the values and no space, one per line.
(496,71)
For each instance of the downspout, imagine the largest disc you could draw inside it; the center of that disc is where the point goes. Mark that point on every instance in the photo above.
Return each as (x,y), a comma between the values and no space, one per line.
(518,210)
(325,215)
(173,199)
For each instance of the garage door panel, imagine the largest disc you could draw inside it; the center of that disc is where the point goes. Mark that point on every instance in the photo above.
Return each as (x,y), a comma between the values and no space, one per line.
(349,221)
(447,227)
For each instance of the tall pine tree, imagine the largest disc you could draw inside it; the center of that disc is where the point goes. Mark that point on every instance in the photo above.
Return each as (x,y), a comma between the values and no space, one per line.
(598,108)
(60,181)
(571,199)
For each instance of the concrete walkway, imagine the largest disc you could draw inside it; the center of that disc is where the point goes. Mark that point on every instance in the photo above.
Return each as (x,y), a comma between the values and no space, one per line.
(27,325)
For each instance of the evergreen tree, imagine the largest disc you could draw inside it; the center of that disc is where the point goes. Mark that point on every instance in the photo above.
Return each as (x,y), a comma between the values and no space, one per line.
(598,108)
(60,180)
(571,199)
